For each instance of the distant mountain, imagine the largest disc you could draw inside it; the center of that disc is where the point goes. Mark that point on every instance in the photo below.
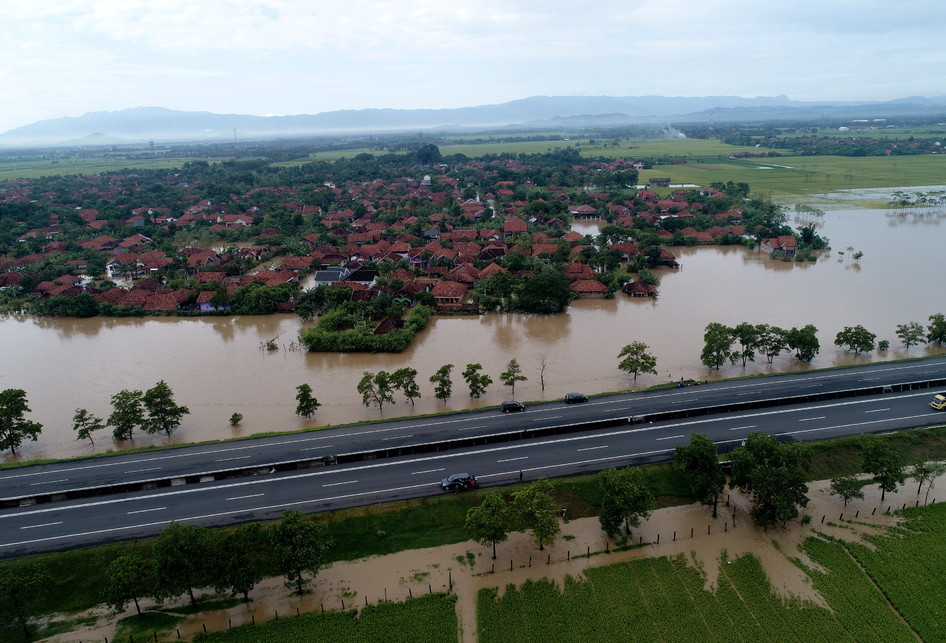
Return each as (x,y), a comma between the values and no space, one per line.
(141,124)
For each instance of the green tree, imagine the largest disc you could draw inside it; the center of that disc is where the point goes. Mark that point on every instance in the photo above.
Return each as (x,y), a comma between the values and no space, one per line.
(512,374)
(924,471)
(936,331)
(478,382)
(856,338)
(183,560)
(84,424)
(405,380)
(235,419)
(533,509)
(847,487)
(14,427)
(748,337)
(717,345)
(911,333)
(700,465)
(772,341)
(637,359)
(443,385)
(163,413)
(774,475)
(804,341)
(376,388)
(298,547)
(544,292)
(885,465)
(127,578)
(488,522)
(625,499)
(22,590)
(306,404)
(128,413)
(238,568)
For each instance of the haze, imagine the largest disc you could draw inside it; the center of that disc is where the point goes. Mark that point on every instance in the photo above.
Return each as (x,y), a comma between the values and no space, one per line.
(269,57)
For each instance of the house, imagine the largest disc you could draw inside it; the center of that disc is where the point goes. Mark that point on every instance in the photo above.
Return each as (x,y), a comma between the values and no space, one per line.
(514,226)
(639,289)
(449,292)
(783,246)
(583,211)
(589,288)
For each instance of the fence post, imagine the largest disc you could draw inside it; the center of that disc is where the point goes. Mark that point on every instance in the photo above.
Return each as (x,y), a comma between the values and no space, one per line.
(857,513)
(276,612)
(674,536)
(658,538)
(229,625)
(708,528)
(691,532)
(366,600)
(726,527)
(549,560)
(822,519)
(530,561)
(841,517)
(204,625)
(253,616)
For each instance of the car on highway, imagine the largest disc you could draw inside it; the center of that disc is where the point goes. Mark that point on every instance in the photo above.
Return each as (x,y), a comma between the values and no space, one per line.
(458,482)
(513,407)
(575,398)
(939,401)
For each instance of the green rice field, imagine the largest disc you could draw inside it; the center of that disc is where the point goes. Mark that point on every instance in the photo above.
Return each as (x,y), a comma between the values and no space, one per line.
(887,589)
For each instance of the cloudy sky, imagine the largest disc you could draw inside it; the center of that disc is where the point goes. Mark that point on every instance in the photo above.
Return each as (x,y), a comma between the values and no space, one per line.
(67,57)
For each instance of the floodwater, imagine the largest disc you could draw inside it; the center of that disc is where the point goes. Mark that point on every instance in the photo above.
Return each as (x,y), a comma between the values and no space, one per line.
(216,365)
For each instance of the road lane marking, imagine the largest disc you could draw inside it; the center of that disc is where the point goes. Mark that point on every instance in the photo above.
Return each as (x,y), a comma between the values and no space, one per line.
(33,484)
(321,448)
(740,428)
(415,473)
(398,437)
(252,495)
(820,417)
(671,437)
(335,484)
(45,524)
(143,470)
(525,457)
(554,417)
(876,410)
(142,511)
(603,446)
(239,457)
(472,428)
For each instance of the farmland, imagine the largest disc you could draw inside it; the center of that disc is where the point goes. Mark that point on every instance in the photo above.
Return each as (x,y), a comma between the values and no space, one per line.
(888,589)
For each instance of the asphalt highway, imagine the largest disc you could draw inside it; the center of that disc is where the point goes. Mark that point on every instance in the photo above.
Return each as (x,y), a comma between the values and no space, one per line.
(75,523)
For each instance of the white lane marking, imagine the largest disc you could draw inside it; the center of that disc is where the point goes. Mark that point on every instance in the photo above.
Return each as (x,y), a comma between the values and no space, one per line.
(852,424)
(416,473)
(671,437)
(252,495)
(335,484)
(603,446)
(740,428)
(143,511)
(876,410)
(239,457)
(143,470)
(820,417)
(33,484)
(398,437)
(554,417)
(687,401)
(472,428)
(525,457)
(321,448)
(46,524)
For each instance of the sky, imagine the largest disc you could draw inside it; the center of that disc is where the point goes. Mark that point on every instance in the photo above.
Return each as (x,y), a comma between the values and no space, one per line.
(274,57)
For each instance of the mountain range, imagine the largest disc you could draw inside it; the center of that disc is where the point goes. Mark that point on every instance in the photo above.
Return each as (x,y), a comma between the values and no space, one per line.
(141,124)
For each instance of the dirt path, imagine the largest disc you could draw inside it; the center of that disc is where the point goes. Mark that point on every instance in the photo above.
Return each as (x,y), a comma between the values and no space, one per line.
(467,567)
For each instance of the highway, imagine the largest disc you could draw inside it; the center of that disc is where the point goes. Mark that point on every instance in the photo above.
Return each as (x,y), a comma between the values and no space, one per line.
(73,523)
(165,464)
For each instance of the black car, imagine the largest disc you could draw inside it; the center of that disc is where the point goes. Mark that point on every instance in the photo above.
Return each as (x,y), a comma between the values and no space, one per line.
(512,407)
(575,398)
(458,482)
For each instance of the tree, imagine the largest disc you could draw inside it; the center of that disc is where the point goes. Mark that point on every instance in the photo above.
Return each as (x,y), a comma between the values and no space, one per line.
(298,547)
(127,415)
(235,419)
(936,470)
(127,578)
(717,347)
(924,471)
(637,359)
(804,341)
(443,386)
(911,333)
(847,487)
(163,413)
(306,404)
(22,589)
(238,567)
(545,292)
(856,338)
(376,388)
(183,560)
(884,463)
(533,509)
(478,382)
(699,463)
(748,337)
(625,499)
(405,379)
(512,374)
(936,331)
(774,475)
(84,423)
(772,341)
(14,427)
(488,522)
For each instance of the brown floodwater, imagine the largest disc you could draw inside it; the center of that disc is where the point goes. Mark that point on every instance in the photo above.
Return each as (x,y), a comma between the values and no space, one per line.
(216,365)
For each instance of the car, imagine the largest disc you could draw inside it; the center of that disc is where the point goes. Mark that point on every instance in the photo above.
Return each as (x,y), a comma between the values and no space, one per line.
(458,482)
(574,398)
(513,406)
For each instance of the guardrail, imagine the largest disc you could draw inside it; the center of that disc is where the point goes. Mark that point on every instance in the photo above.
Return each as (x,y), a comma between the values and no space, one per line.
(458,443)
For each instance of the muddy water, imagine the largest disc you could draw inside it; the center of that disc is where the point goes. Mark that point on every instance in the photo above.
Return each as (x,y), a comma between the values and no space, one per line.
(216,366)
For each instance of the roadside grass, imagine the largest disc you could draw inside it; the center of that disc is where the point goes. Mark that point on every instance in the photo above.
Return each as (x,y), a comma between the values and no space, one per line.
(147,625)
(57,167)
